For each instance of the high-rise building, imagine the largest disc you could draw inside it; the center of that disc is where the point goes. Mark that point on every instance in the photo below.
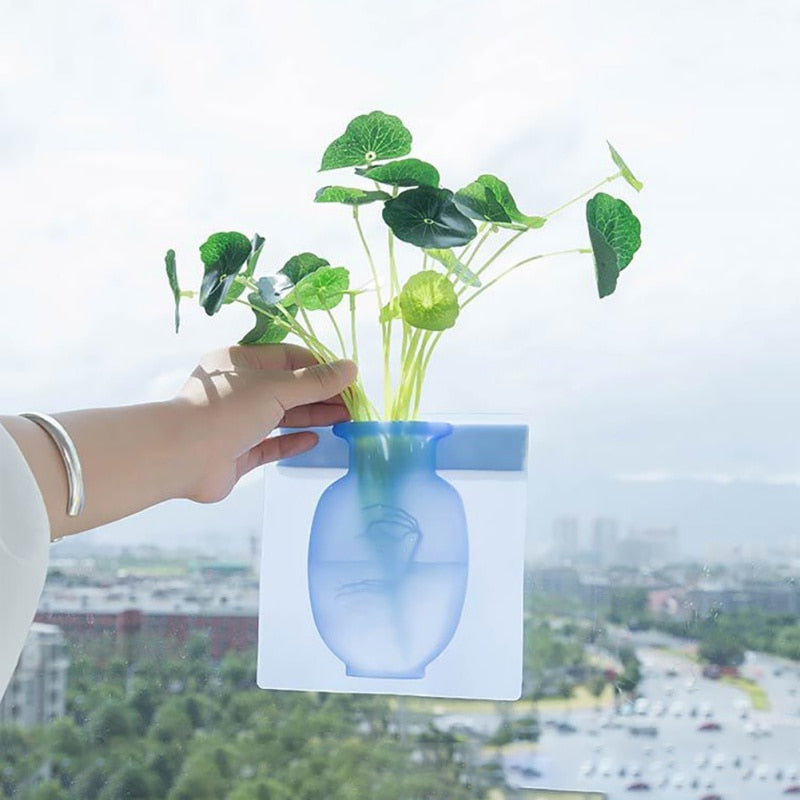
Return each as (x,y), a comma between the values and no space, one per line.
(565,538)
(37,691)
(605,537)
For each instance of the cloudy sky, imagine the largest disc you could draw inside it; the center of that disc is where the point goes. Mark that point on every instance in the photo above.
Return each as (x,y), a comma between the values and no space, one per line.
(128,128)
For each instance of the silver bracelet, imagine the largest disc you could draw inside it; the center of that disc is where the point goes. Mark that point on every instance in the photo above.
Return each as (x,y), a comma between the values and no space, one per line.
(69,453)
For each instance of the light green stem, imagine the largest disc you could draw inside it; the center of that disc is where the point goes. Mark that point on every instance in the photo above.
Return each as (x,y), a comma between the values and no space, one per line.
(470,244)
(500,250)
(583,194)
(369,257)
(338,332)
(353,334)
(478,246)
(518,265)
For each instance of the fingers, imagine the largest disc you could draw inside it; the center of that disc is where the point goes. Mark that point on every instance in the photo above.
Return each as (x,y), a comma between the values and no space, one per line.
(278,447)
(313,384)
(272,356)
(315,415)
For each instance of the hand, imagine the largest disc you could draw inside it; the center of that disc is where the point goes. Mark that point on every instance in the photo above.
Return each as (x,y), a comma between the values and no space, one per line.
(239,395)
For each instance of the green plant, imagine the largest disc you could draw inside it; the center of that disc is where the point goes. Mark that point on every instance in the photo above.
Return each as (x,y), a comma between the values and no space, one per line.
(412,312)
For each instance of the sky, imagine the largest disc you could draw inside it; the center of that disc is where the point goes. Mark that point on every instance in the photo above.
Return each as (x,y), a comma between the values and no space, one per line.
(128,128)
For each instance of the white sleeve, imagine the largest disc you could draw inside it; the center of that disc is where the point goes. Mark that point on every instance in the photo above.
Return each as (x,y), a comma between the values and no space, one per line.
(24,550)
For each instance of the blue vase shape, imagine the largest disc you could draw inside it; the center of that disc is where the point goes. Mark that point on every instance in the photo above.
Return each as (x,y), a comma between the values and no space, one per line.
(388,555)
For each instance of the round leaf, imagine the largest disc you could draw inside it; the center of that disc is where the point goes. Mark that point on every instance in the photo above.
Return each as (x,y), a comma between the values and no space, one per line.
(624,169)
(223,255)
(406,172)
(297,267)
(489,199)
(428,301)
(428,217)
(268,329)
(615,233)
(349,196)
(323,288)
(367,138)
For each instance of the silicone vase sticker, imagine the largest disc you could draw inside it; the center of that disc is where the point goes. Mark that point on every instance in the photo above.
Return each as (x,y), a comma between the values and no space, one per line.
(388,555)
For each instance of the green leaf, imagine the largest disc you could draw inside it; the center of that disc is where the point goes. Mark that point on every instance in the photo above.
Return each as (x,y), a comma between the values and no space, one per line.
(428,301)
(172,277)
(406,172)
(454,266)
(428,217)
(223,255)
(615,233)
(390,311)
(297,267)
(370,137)
(267,329)
(237,287)
(349,196)
(323,288)
(489,199)
(624,169)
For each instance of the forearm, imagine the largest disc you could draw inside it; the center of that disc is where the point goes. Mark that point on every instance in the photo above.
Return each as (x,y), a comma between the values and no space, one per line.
(132,457)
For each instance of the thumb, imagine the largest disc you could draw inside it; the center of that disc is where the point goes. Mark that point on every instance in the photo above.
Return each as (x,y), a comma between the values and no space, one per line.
(316,383)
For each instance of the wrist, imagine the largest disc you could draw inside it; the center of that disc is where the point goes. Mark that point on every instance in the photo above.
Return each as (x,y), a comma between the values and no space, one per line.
(191,435)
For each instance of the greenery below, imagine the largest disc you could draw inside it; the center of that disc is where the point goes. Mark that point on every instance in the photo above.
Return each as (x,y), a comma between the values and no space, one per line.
(723,638)
(184,728)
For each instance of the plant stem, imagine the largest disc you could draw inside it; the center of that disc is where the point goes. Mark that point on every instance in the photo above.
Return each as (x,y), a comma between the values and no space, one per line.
(500,250)
(369,258)
(420,372)
(583,194)
(470,244)
(519,264)
(338,332)
(386,329)
(353,335)
(478,246)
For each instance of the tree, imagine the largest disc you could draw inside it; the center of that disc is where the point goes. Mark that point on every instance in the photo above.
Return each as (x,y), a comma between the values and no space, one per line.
(262,789)
(110,720)
(49,790)
(130,782)
(171,723)
(144,699)
(65,738)
(722,645)
(787,642)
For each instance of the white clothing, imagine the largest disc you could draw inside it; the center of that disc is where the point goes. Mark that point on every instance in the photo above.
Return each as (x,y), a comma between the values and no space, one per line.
(24,550)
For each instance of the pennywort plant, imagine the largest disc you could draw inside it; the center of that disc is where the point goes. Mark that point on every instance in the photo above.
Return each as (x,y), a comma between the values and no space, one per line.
(462,240)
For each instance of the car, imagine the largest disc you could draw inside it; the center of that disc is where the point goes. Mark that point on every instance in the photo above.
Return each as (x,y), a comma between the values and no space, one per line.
(566,727)
(638,786)
(793,789)
(710,726)
(712,796)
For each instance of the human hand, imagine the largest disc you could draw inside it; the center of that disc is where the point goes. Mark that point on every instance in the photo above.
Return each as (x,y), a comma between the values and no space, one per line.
(237,396)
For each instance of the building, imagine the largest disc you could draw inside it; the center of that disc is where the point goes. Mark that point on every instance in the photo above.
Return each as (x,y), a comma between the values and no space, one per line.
(648,547)
(37,691)
(161,614)
(565,539)
(605,534)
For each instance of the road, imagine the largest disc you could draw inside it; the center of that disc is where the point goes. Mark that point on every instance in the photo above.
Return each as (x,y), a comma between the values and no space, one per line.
(752,755)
